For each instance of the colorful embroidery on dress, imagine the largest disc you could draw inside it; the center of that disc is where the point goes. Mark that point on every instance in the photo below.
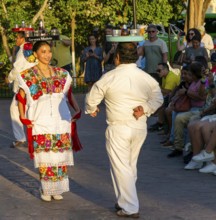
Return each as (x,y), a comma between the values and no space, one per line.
(52,142)
(39,85)
(52,173)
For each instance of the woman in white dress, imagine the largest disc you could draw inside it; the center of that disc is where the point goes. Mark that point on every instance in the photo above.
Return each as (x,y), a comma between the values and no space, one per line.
(45,90)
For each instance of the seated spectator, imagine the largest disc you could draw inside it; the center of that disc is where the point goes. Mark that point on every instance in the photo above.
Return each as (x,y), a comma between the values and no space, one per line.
(186,80)
(205,134)
(169,82)
(197,94)
(195,127)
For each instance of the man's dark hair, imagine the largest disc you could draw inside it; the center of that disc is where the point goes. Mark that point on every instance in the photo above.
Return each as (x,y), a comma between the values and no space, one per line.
(152,26)
(21,34)
(165,65)
(127,52)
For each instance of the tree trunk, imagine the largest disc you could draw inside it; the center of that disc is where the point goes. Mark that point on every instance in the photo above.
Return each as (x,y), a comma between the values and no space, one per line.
(5,42)
(205,7)
(3,34)
(73,15)
(43,7)
(196,13)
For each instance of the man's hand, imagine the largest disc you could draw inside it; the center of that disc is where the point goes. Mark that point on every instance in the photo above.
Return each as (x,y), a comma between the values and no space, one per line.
(138,112)
(94,114)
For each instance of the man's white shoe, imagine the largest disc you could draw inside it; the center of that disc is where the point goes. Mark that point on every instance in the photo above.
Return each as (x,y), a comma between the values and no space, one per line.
(192,165)
(209,168)
(57,197)
(203,156)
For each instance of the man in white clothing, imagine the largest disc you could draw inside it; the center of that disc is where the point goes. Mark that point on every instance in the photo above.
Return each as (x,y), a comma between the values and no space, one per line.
(19,65)
(131,95)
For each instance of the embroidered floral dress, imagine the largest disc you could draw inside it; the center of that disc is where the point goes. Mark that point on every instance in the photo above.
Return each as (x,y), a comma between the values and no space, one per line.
(48,110)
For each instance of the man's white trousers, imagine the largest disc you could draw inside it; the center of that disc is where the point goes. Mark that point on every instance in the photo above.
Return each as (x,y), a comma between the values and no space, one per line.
(123,145)
(17,126)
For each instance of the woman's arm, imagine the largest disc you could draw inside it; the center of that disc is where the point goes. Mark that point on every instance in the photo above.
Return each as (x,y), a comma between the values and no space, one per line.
(20,105)
(180,46)
(200,95)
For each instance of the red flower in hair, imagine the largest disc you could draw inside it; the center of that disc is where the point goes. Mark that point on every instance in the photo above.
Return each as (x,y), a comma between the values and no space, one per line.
(27,46)
(35,97)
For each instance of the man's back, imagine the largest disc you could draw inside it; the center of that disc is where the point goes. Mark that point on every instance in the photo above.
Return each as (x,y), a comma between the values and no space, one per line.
(125,88)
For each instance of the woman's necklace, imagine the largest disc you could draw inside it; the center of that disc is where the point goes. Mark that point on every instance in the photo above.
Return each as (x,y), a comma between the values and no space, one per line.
(47,79)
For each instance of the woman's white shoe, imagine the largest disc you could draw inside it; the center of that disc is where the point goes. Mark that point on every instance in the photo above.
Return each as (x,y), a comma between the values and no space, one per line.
(46,198)
(57,197)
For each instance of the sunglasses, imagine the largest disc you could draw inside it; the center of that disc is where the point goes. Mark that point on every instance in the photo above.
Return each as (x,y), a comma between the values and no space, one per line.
(151,31)
(191,33)
(158,70)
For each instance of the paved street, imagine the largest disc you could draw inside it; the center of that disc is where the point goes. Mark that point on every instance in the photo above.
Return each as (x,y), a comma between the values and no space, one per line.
(166,191)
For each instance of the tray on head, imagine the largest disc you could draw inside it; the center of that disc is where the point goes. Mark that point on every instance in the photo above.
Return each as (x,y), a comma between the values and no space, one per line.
(110,38)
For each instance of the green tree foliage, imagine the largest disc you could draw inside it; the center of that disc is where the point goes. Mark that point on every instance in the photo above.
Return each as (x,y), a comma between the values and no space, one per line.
(88,16)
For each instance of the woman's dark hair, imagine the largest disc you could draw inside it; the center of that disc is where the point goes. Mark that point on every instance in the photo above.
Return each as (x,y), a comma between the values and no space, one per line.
(198,38)
(94,35)
(127,52)
(196,69)
(38,44)
(202,60)
(196,32)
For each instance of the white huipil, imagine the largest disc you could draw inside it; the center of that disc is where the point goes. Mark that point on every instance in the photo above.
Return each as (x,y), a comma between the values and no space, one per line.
(123,89)
(50,116)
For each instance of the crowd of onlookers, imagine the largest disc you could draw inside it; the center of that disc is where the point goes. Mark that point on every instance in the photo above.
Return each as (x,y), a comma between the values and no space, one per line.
(187,117)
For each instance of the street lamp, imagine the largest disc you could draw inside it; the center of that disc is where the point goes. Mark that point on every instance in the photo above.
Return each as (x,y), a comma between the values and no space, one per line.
(134,14)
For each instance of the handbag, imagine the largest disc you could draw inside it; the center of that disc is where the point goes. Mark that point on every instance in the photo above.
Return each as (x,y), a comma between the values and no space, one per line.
(182,104)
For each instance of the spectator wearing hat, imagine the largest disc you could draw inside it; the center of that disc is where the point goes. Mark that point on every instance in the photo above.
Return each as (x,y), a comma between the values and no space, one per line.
(206,39)
(155,51)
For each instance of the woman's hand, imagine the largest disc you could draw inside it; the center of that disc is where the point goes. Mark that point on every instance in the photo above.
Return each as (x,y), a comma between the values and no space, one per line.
(76,115)
(27,122)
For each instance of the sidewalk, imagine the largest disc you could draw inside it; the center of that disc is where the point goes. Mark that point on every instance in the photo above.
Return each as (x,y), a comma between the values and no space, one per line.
(166,191)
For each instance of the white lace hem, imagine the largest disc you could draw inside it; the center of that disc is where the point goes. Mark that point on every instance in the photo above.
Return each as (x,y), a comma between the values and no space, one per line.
(53,159)
(55,188)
